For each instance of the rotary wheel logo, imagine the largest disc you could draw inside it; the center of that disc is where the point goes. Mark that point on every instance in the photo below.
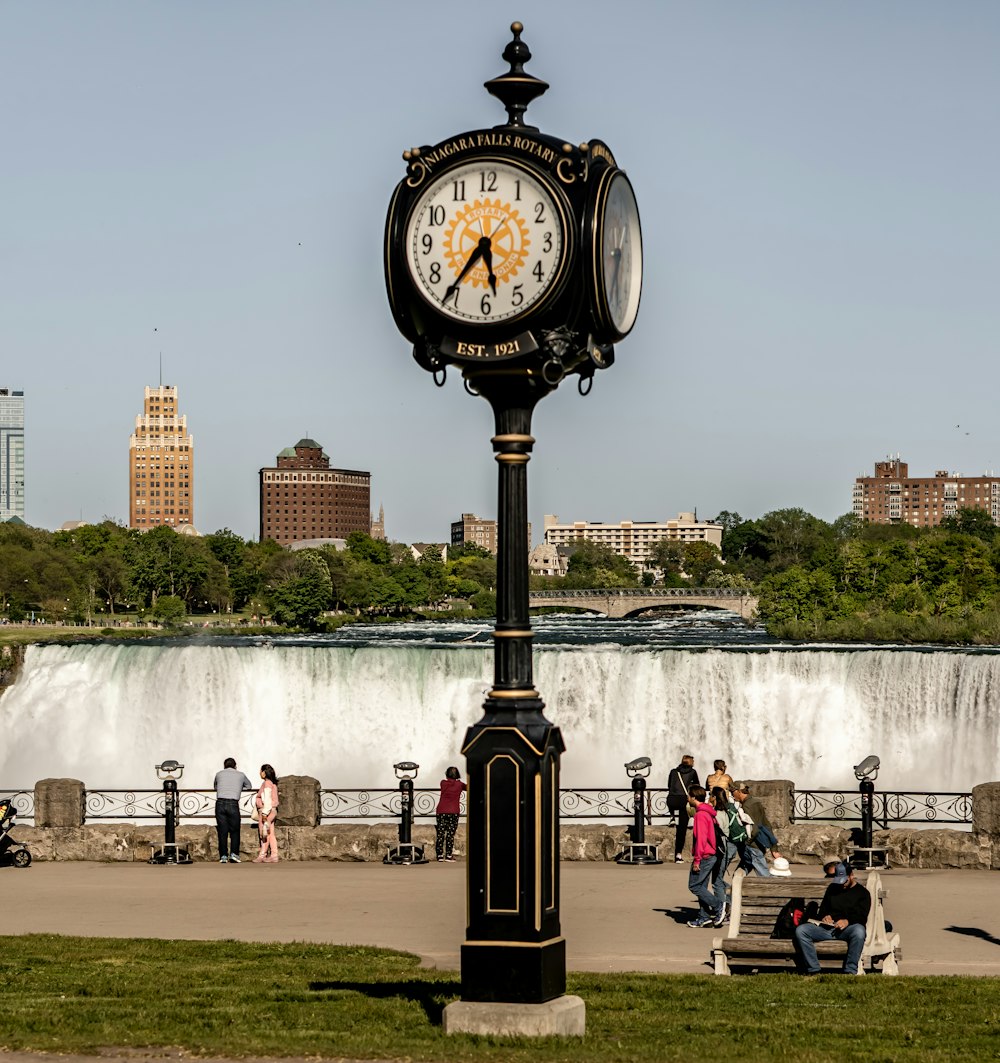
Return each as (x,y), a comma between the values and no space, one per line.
(506,231)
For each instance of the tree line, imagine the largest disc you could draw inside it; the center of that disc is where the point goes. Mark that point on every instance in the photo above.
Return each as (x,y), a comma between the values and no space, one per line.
(100,571)
(843,580)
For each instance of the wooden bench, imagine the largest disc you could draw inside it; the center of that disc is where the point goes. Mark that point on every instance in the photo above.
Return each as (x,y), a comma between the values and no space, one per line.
(756,905)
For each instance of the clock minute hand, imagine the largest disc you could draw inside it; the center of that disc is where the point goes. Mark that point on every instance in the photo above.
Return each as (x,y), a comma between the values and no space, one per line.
(476,255)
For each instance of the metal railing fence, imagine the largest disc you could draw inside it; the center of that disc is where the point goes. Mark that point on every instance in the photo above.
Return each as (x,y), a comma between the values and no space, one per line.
(575,803)
(888,806)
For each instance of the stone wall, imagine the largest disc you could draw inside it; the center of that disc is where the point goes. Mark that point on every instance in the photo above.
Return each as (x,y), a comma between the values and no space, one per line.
(60,833)
(804,844)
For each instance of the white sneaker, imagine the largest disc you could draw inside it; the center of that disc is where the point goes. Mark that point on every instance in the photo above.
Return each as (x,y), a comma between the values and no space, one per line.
(234,858)
(678,859)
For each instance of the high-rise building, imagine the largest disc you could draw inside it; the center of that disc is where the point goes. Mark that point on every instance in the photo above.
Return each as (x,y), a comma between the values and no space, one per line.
(161,464)
(634,538)
(11,454)
(893,496)
(301,497)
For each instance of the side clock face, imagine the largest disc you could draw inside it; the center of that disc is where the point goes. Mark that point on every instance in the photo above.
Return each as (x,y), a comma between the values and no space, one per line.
(485,243)
(619,256)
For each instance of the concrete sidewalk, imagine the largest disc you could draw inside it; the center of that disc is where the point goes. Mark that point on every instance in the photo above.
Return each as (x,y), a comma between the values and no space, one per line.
(614,918)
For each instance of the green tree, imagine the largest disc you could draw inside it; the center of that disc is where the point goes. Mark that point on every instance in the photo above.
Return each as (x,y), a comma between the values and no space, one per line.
(972,521)
(467,549)
(700,558)
(795,537)
(596,565)
(300,589)
(169,609)
(363,547)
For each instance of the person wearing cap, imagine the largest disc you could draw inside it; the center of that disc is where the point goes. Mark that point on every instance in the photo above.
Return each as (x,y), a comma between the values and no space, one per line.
(843,915)
(752,814)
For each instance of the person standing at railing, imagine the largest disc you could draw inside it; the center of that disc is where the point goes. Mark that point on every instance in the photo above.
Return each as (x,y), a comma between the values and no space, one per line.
(719,777)
(229,785)
(679,783)
(267,809)
(448,809)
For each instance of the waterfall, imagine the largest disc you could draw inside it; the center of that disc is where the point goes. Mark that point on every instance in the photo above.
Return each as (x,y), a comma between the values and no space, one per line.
(108,713)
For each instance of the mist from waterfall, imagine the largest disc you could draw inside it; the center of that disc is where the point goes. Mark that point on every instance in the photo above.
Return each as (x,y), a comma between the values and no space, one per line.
(344,711)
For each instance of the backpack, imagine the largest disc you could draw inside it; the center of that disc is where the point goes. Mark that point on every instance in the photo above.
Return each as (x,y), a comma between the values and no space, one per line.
(737,831)
(791,915)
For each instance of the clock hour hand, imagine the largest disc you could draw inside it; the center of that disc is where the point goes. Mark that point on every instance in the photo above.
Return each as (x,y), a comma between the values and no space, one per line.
(488,263)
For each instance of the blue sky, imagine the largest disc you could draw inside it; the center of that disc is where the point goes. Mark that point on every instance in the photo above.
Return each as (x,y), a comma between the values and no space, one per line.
(818,190)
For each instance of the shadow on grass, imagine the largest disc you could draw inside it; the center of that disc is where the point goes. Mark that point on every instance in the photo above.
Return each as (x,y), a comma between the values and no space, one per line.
(431,996)
(974,932)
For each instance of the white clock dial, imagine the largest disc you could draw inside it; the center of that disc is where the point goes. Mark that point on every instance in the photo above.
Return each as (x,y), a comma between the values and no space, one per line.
(485,242)
(621,255)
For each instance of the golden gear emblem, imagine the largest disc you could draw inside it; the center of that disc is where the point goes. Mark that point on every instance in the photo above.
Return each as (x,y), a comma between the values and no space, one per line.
(509,240)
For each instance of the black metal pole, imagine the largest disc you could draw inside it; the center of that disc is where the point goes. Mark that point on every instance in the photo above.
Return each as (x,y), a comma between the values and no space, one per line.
(514,949)
(867,788)
(405,810)
(169,814)
(638,831)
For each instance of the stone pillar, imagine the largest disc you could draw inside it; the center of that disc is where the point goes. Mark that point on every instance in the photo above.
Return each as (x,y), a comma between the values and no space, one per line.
(776,797)
(986,817)
(60,803)
(298,801)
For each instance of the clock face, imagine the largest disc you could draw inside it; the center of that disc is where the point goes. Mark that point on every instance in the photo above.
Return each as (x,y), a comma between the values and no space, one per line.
(485,242)
(620,263)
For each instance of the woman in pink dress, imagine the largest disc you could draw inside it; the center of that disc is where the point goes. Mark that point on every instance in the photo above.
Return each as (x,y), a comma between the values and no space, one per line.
(267,810)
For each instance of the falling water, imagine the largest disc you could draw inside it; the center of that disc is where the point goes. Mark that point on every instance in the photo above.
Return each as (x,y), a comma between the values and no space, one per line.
(343,709)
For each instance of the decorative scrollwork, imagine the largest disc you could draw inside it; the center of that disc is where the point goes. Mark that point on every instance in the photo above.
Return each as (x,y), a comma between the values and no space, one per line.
(595,804)
(891,806)
(23,802)
(817,806)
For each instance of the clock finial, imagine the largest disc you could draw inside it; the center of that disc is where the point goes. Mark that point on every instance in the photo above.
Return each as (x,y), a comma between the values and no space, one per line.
(516,89)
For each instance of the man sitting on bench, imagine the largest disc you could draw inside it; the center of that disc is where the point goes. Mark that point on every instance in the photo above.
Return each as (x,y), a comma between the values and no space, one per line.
(843,914)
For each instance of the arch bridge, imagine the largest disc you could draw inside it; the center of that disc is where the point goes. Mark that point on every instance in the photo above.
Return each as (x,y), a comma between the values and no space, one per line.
(619,603)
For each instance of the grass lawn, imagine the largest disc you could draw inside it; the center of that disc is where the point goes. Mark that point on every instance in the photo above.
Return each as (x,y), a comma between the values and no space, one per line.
(65,994)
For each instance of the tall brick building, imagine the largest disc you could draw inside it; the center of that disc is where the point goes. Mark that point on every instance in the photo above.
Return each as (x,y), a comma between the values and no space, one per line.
(893,496)
(301,497)
(161,464)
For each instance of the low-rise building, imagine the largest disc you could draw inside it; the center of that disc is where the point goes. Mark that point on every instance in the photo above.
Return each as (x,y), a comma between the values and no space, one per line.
(548,560)
(634,538)
(479,530)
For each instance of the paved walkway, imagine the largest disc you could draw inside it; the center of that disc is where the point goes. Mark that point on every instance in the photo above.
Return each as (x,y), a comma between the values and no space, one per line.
(614,918)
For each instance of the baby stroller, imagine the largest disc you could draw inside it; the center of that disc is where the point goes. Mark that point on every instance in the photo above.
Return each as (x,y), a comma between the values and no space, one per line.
(11,852)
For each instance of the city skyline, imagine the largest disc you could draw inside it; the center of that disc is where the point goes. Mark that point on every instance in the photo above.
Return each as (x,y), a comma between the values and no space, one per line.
(817,193)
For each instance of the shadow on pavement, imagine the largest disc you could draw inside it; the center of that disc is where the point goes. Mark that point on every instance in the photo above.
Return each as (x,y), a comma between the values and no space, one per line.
(431,996)
(679,915)
(974,932)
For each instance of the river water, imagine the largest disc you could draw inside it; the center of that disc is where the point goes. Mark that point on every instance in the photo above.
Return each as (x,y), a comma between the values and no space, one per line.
(344,707)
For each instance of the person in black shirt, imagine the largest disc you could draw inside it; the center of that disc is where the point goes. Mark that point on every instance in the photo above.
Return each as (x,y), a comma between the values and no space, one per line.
(679,783)
(843,914)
